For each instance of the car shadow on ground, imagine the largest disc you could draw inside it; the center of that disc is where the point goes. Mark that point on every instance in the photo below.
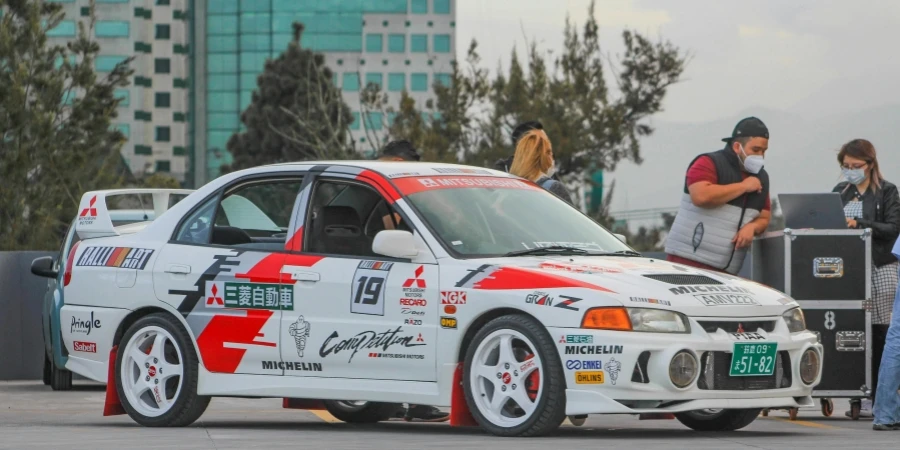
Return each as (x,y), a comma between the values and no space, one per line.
(38,387)
(442,429)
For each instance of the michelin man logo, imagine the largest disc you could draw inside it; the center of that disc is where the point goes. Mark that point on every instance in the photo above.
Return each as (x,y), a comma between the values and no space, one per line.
(300,331)
(612,368)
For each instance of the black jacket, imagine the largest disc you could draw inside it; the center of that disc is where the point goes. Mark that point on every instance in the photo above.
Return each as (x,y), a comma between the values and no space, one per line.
(882,216)
(555,187)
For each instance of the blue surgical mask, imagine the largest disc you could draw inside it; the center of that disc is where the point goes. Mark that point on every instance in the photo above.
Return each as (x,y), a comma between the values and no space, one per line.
(855,176)
(752,163)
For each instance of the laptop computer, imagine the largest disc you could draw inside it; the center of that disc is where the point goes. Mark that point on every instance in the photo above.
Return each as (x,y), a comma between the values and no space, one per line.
(821,211)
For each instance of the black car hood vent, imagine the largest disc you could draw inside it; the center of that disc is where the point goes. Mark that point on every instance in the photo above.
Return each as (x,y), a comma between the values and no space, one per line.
(683,279)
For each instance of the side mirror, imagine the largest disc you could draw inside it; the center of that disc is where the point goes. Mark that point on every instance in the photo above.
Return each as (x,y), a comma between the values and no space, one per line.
(621,237)
(43,267)
(395,243)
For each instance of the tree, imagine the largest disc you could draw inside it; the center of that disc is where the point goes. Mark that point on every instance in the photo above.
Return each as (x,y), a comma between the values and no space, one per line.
(593,126)
(296,113)
(55,116)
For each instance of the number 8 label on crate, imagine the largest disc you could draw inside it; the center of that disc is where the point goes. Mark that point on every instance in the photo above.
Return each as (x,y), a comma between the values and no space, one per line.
(367,291)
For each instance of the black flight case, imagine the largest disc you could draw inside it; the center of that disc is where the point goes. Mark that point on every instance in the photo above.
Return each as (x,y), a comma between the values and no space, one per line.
(829,273)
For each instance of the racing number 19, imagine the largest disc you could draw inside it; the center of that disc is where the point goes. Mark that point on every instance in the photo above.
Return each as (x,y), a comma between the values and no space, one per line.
(371,287)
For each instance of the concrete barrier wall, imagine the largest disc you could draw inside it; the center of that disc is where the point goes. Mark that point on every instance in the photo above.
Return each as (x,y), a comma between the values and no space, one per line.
(21,338)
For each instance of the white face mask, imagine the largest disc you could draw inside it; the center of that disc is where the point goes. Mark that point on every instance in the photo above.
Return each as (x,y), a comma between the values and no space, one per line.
(752,163)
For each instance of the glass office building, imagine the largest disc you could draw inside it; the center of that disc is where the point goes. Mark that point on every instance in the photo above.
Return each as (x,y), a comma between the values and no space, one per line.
(154,108)
(397,44)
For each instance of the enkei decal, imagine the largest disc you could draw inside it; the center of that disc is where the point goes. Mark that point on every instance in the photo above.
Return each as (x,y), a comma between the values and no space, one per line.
(292,366)
(595,377)
(448,322)
(576,339)
(654,301)
(544,299)
(577,364)
(613,368)
(453,297)
(369,340)
(123,257)
(86,347)
(81,325)
(367,289)
(593,349)
(300,331)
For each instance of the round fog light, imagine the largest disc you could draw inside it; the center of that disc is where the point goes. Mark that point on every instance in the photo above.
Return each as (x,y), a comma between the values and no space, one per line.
(683,369)
(809,366)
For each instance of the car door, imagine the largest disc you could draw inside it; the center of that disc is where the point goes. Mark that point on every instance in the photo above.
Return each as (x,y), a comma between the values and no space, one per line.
(222,271)
(359,315)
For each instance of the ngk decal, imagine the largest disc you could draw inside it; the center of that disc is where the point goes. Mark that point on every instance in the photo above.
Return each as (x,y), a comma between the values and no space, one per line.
(453,297)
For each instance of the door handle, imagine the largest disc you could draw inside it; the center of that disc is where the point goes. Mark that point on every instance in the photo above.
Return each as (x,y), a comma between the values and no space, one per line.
(178,268)
(299,274)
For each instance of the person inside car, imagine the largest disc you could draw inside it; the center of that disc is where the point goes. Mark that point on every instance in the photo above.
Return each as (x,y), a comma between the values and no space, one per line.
(534,161)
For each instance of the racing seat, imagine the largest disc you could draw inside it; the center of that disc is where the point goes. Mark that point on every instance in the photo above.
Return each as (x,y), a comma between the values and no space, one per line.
(338,231)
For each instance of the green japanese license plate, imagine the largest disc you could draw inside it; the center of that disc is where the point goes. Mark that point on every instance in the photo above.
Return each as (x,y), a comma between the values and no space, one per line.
(753,359)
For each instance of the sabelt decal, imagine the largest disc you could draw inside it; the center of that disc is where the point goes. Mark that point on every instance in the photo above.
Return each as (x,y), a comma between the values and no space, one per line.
(413,185)
(85,347)
(123,257)
(369,340)
(448,322)
(453,297)
(593,377)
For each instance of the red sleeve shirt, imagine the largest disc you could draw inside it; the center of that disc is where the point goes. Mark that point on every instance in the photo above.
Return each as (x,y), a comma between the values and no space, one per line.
(705,170)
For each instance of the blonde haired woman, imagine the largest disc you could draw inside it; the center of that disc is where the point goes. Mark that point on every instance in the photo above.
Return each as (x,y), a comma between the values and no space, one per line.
(534,161)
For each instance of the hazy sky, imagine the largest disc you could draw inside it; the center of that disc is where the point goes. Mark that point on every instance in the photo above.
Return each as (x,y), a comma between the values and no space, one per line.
(813,57)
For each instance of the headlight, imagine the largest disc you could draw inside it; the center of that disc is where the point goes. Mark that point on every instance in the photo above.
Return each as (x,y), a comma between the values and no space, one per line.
(809,366)
(657,321)
(794,320)
(683,369)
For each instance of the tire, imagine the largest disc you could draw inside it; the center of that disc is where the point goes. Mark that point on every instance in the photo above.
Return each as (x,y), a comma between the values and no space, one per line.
(60,379)
(531,350)
(139,344)
(723,420)
(46,371)
(361,412)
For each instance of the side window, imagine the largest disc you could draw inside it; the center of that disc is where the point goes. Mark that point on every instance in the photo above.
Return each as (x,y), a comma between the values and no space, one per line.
(345,217)
(251,215)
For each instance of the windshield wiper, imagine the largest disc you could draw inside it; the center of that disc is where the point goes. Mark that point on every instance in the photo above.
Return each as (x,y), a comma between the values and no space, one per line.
(551,250)
(624,253)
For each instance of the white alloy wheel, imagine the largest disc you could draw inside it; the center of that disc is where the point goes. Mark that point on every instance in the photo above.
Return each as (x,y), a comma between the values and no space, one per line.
(501,376)
(152,371)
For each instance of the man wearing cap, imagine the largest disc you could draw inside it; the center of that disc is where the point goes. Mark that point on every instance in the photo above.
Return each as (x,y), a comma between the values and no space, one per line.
(401,150)
(725,202)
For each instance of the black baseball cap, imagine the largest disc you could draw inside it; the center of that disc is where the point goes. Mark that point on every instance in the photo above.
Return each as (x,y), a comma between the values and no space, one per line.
(748,127)
(402,149)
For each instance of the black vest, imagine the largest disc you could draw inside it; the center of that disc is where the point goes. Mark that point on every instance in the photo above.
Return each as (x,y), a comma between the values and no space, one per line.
(729,170)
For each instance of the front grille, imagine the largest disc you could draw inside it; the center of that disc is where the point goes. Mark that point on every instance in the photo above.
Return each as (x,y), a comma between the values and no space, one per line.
(683,279)
(711,326)
(714,375)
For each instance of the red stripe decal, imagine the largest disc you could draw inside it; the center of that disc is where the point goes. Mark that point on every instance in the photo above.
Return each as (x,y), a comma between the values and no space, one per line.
(382,185)
(295,243)
(268,270)
(230,329)
(516,278)
(412,185)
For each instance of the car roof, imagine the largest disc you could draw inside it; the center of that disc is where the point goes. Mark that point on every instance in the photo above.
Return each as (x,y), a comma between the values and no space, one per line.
(397,169)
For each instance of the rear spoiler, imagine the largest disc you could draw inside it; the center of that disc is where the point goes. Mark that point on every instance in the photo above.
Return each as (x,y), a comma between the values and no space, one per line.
(93,218)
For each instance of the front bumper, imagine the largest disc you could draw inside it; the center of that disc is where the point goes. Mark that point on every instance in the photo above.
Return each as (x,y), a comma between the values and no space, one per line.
(630,387)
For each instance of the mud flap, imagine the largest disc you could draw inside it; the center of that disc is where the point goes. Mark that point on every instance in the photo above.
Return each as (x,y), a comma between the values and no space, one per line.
(302,403)
(112,405)
(460,416)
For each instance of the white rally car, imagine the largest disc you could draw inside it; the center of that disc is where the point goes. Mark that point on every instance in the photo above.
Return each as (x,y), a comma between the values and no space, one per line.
(360,285)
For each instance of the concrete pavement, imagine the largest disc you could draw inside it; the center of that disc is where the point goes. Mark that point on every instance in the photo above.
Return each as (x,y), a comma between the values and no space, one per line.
(34,417)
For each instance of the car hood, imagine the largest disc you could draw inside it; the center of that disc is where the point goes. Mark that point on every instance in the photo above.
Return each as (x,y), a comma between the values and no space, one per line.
(654,283)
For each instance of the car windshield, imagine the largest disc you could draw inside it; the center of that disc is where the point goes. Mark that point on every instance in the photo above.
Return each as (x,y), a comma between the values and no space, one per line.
(490,217)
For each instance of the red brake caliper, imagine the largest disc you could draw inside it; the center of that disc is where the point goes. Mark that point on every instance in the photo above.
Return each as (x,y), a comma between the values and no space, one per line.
(533,381)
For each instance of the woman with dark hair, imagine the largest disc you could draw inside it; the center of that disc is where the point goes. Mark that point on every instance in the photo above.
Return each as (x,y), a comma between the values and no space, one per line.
(870,201)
